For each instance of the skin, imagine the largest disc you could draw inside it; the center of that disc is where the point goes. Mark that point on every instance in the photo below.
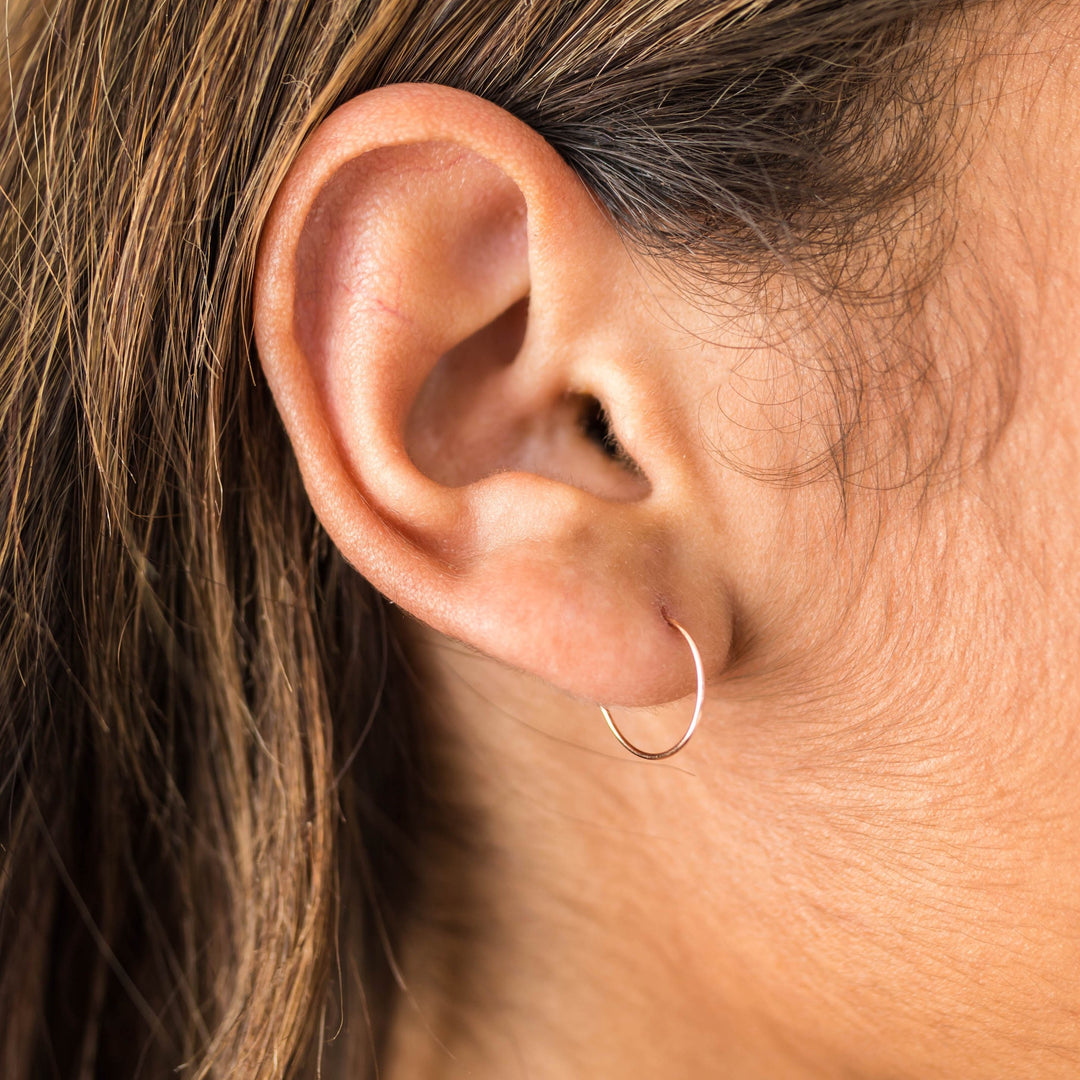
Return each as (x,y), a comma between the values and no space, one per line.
(865,863)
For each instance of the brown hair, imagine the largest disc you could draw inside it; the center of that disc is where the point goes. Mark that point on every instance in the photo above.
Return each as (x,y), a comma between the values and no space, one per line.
(210,729)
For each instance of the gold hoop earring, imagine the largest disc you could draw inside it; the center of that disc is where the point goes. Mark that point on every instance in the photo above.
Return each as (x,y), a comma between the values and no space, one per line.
(700,672)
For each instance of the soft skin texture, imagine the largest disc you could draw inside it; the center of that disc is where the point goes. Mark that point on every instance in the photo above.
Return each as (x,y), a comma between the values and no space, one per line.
(866,862)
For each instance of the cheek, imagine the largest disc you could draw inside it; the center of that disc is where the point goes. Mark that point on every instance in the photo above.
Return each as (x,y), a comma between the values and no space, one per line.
(893,808)
(900,749)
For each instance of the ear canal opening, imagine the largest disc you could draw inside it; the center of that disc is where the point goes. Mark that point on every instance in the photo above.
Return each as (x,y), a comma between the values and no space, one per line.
(474,417)
(597,428)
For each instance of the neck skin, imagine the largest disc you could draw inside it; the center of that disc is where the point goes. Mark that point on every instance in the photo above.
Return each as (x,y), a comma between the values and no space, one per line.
(793,896)
(561,937)
(790,897)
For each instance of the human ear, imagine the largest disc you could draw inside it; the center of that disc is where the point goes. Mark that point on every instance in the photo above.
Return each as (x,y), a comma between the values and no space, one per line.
(447,320)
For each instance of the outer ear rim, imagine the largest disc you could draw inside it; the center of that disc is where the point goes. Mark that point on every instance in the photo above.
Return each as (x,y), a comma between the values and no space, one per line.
(642,660)
(387,117)
(390,116)
(397,115)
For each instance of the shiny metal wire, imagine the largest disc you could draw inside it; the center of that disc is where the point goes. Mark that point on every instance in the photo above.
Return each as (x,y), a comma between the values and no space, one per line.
(659,756)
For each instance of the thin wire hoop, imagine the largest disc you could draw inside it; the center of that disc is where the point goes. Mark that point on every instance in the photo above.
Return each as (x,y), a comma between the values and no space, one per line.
(700,672)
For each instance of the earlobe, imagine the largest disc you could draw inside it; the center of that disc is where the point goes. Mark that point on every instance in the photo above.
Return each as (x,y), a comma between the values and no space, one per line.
(456,380)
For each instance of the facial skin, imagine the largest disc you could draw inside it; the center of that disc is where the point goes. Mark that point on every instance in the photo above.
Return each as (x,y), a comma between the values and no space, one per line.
(865,862)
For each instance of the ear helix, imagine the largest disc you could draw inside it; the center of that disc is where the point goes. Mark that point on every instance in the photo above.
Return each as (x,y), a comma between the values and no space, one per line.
(467,398)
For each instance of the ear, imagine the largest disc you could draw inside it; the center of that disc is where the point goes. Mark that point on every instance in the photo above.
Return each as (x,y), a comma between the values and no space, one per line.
(447,320)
